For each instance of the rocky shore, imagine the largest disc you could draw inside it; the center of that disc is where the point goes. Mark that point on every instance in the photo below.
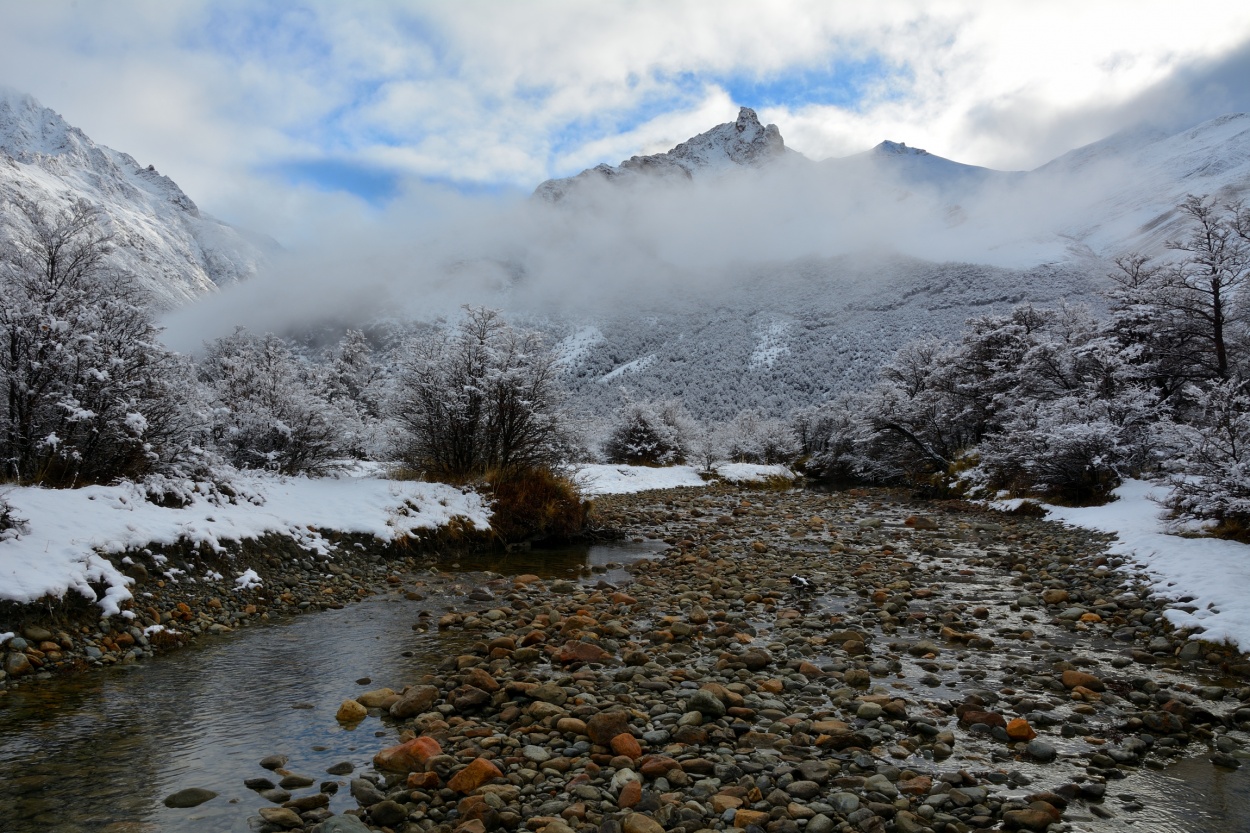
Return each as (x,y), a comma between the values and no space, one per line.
(945,669)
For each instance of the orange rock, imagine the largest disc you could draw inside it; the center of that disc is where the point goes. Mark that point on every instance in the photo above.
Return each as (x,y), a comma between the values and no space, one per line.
(1072,679)
(422,780)
(619,598)
(625,744)
(742,818)
(477,773)
(1019,729)
(575,651)
(653,766)
(919,785)
(630,795)
(479,678)
(351,712)
(1090,617)
(411,756)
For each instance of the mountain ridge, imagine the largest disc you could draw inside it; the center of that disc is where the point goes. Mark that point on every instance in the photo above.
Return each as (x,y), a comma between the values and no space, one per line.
(176,252)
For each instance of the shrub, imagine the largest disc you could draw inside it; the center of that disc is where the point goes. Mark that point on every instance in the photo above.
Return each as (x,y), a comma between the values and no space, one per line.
(535,504)
(648,435)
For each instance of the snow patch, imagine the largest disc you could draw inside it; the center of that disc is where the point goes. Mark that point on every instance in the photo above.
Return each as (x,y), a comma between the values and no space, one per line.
(1215,574)
(248,580)
(770,345)
(68,531)
(572,349)
(621,480)
(752,472)
(636,366)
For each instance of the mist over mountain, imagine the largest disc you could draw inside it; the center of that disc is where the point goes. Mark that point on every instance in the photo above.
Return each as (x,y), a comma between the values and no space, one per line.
(730,271)
(177,253)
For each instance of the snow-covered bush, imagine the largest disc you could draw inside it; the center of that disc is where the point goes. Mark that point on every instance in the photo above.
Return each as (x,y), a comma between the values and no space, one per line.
(269,408)
(478,399)
(11,525)
(650,434)
(829,438)
(91,395)
(753,437)
(1212,462)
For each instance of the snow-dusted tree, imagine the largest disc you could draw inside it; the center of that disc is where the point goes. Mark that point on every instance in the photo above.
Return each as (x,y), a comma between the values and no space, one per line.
(478,399)
(650,434)
(354,385)
(829,438)
(1211,456)
(90,394)
(753,437)
(270,409)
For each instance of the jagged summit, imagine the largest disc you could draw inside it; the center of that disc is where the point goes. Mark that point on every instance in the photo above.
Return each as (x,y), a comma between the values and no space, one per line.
(742,143)
(898,149)
(174,250)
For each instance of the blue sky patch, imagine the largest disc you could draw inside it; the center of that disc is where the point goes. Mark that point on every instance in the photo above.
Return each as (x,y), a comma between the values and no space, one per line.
(845,84)
(374,185)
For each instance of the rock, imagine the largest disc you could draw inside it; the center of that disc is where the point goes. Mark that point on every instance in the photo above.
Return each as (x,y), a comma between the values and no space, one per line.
(629,795)
(820,823)
(757,659)
(549,693)
(16,664)
(625,744)
(365,793)
(1020,730)
(473,776)
(341,768)
(295,782)
(341,824)
(281,816)
(410,756)
(414,701)
(273,761)
(387,813)
(920,522)
(604,726)
(190,797)
(351,712)
(744,817)
(1040,750)
(1039,816)
(571,726)
(640,823)
(577,651)
(37,634)
(706,703)
(1072,679)
(374,699)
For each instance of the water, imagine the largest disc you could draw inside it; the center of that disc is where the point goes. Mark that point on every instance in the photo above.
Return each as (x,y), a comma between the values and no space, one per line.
(100,752)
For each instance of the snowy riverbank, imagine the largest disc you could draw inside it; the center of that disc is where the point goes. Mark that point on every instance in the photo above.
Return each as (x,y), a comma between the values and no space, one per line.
(67,532)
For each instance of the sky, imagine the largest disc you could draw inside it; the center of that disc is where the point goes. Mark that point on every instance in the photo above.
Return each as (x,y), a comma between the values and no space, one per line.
(293,118)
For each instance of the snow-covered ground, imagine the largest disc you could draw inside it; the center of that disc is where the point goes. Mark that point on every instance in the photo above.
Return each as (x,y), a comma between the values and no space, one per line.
(752,472)
(623,480)
(1216,574)
(67,529)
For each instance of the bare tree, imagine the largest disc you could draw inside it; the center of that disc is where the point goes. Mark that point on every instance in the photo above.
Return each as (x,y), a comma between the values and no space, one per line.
(478,399)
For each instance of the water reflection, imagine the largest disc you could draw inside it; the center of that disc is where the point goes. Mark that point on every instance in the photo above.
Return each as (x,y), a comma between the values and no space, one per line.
(105,749)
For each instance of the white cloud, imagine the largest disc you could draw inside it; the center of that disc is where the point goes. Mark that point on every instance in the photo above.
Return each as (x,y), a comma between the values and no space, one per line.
(212,92)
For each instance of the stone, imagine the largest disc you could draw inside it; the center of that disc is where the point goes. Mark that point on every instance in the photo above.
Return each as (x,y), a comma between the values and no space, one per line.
(351,712)
(1073,679)
(577,651)
(1038,816)
(341,824)
(549,693)
(604,726)
(744,817)
(365,793)
(706,703)
(387,813)
(1020,730)
(477,773)
(16,664)
(571,726)
(414,701)
(410,756)
(273,761)
(625,744)
(296,782)
(1040,750)
(281,816)
(341,768)
(630,795)
(640,823)
(374,699)
(190,797)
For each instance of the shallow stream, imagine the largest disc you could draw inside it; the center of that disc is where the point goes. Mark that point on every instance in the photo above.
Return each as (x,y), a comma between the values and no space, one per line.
(101,751)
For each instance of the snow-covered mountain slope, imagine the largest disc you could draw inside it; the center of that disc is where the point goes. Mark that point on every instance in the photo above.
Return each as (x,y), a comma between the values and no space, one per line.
(743,143)
(177,252)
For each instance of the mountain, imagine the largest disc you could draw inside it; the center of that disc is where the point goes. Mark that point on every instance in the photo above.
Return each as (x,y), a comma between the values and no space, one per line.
(176,252)
(910,244)
(742,143)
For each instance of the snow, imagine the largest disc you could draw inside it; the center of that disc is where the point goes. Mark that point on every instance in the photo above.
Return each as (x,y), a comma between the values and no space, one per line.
(248,580)
(636,366)
(621,480)
(70,529)
(1215,573)
(752,472)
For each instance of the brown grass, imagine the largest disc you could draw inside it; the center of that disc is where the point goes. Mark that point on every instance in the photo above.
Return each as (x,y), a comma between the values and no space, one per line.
(535,505)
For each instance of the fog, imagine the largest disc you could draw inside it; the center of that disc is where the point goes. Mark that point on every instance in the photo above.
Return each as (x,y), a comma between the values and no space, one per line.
(613,247)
